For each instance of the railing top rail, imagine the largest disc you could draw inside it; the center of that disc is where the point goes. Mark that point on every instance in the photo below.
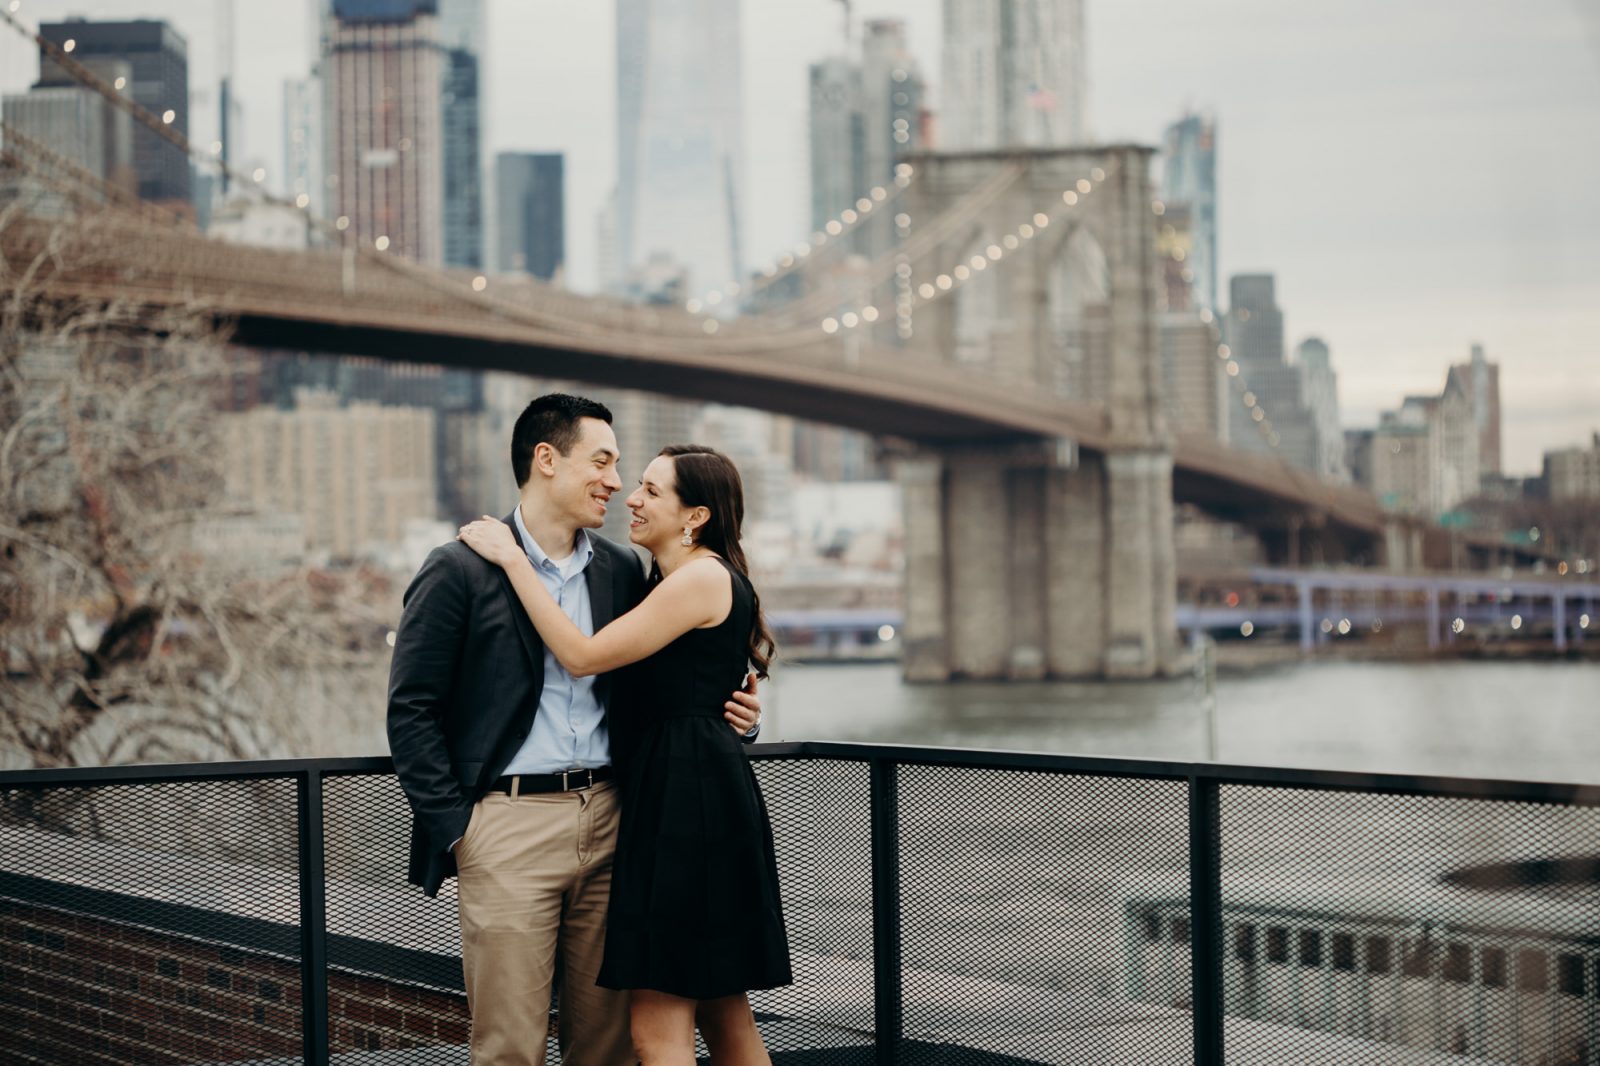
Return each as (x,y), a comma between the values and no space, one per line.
(1586,795)
(159,773)
(1572,794)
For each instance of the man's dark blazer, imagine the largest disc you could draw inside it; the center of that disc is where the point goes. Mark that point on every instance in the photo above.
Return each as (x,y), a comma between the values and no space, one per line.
(464,686)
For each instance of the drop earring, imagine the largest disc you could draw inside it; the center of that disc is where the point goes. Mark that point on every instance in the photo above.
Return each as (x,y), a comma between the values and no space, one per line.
(688,541)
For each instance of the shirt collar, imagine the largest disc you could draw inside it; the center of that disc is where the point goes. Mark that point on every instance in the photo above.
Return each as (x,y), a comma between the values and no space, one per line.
(583,549)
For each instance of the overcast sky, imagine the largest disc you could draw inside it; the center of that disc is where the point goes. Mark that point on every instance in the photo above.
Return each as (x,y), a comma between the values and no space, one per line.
(1419,175)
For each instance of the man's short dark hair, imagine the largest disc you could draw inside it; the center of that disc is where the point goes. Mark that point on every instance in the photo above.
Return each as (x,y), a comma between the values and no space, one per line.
(551,419)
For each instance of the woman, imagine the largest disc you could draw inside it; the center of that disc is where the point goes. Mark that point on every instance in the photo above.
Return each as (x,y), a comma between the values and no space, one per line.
(695,920)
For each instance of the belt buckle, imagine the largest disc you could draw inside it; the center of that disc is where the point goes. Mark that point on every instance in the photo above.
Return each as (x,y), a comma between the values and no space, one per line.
(566,787)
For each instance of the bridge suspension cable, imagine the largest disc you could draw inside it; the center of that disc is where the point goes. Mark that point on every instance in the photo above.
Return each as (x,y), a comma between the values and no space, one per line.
(922,241)
(959,273)
(823,243)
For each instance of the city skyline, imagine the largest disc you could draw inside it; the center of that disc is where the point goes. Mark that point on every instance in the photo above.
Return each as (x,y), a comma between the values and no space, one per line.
(1412,194)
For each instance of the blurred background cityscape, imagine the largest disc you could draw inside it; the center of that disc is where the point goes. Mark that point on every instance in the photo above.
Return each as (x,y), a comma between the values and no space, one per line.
(1364,342)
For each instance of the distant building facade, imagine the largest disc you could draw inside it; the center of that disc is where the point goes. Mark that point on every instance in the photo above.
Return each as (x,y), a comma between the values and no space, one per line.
(1194,380)
(355,475)
(680,137)
(893,101)
(461,40)
(79,126)
(1480,381)
(303,141)
(530,215)
(838,138)
(1432,454)
(1271,414)
(1189,197)
(1574,473)
(1419,463)
(157,59)
(1322,399)
(383,69)
(1014,74)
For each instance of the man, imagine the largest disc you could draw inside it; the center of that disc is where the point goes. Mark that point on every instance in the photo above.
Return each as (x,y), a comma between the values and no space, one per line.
(506,759)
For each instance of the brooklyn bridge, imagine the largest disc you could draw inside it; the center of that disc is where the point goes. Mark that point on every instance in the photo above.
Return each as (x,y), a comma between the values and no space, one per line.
(1002,339)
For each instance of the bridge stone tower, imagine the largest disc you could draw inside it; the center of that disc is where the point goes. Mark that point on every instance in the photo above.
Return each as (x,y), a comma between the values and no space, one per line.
(1028,560)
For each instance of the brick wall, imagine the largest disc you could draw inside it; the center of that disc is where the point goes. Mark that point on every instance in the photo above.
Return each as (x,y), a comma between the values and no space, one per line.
(83,989)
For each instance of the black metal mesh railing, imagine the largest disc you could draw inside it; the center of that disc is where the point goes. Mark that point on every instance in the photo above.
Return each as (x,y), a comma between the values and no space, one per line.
(150,923)
(1012,891)
(942,907)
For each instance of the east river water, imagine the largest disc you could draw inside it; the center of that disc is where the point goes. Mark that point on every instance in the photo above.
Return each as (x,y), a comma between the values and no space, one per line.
(1533,720)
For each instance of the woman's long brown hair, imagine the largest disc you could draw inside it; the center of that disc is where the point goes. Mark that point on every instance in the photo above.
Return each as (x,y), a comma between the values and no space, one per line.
(704,477)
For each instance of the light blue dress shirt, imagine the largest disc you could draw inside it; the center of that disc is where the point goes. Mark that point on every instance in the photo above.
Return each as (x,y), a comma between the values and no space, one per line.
(570,728)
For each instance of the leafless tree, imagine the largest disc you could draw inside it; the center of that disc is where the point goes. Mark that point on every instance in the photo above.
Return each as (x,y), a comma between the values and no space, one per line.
(124,637)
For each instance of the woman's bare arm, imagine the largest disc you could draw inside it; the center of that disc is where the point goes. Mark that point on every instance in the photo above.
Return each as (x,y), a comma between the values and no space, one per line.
(696,594)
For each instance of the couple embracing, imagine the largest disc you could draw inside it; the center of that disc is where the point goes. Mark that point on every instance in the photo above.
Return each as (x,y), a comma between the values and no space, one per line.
(569,733)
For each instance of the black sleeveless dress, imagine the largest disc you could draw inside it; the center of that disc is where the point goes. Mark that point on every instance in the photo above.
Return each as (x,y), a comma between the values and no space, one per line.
(694,907)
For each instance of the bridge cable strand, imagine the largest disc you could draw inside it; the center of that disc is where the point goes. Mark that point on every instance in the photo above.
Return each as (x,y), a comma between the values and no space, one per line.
(994,251)
(923,241)
(824,244)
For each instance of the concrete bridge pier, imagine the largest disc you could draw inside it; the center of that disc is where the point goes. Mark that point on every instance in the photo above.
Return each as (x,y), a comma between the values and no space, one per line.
(1403,543)
(1026,562)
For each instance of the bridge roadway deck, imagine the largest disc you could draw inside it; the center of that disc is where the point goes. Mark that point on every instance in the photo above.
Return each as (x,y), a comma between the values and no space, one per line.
(365,303)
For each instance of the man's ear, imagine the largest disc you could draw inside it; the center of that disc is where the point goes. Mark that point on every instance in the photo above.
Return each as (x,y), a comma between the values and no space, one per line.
(544,458)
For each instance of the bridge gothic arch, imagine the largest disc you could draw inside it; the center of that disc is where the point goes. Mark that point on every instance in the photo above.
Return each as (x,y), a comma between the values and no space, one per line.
(1077,286)
(1044,560)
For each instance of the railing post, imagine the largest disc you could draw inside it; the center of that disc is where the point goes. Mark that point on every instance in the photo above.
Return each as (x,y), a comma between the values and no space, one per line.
(1205,918)
(888,1006)
(313,921)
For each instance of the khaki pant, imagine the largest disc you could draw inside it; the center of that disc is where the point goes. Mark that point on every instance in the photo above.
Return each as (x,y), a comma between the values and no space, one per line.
(535,875)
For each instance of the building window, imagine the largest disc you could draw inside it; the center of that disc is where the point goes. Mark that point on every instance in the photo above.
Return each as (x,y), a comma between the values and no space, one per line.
(1417,960)
(1569,974)
(1344,951)
(1150,922)
(1493,963)
(1178,930)
(1379,952)
(1310,947)
(1277,944)
(1244,942)
(1457,963)
(1533,971)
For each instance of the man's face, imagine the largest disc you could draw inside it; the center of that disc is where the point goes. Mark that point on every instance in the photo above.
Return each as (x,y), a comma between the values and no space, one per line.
(586,476)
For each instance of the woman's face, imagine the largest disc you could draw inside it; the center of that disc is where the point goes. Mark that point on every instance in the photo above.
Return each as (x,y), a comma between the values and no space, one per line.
(658,516)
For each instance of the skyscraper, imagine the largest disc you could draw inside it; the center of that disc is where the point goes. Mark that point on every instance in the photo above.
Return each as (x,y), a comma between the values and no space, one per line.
(838,138)
(1322,399)
(680,137)
(1189,180)
(461,91)
(530,211)
(1013,74)
(1481,382)
(1270,412)
(158,81)
(80,126)
(865,115)
(302,140)
(382,74)
(892,97)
